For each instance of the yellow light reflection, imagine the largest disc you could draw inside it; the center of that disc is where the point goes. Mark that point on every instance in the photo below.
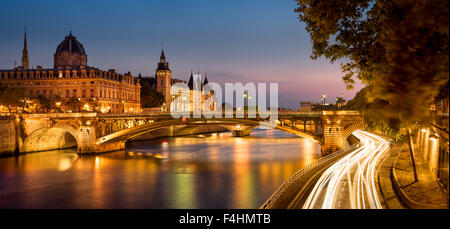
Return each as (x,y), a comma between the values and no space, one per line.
(64,164)
(184,194)
(242,185)
(308,152)
(99,162)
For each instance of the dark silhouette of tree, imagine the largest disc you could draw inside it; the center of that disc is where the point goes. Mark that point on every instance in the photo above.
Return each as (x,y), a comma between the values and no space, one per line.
(374,119)
(72,104)
(399,48)
(12,96)
(150,97)
(44,104)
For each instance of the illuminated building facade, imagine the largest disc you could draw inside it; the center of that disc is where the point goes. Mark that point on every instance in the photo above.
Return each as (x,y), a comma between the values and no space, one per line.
(305,106)
(171,90)
(72,78)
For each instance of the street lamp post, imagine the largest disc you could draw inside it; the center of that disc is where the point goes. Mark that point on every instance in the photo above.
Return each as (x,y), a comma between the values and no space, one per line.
(23,105)
(58,106)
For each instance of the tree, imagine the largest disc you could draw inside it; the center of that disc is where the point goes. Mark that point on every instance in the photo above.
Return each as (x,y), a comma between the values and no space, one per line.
(150,97)
(375,120)
(93,104)
(73,104)
(398,47)
(58,102)
(12,96)
(43,104)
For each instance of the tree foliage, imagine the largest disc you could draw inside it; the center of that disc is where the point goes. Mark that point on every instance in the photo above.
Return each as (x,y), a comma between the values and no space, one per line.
(44,104)
(12,96)
(72,104)
(93,104)
(399,48)
(150,97)
(375,120)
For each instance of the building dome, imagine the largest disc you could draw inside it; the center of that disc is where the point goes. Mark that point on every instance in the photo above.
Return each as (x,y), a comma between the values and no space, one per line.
(70,53)
(70,44)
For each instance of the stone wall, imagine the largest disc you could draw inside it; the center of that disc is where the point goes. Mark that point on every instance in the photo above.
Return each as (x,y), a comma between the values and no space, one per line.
(333,140)
(7,136)
(48,139)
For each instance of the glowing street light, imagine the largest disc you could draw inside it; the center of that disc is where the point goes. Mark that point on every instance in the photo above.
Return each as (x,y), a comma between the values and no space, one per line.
(434,138)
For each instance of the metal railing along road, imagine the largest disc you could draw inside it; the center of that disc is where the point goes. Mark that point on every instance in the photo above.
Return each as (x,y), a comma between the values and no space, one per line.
(297,175)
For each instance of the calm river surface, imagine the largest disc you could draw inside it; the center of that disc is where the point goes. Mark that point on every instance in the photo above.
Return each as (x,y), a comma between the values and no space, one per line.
(203,171)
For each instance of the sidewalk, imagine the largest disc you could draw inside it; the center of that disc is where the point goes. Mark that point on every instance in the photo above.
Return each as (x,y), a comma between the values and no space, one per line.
(389,197)
(424,194)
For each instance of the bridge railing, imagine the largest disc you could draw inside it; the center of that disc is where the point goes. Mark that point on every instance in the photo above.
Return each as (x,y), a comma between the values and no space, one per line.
(137,114)
(301,113)
(297,175)
(159,113)
(5,114)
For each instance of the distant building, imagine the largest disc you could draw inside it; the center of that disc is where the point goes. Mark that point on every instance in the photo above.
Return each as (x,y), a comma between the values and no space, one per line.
(163,81)
(306,106)
(340,101)
(323,99)
(72,78)
(166,85)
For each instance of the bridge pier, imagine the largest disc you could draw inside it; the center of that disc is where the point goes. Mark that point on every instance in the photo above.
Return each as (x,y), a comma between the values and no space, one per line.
(101,148)
(239,133)
(333,139)
(337,127)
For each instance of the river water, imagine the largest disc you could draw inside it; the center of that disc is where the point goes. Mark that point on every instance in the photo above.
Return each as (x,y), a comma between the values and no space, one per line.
(203,171)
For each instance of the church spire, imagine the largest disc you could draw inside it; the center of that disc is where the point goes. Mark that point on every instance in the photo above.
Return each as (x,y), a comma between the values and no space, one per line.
(25,60)
(163,57)
(205,82)
(191,81)
(163,64)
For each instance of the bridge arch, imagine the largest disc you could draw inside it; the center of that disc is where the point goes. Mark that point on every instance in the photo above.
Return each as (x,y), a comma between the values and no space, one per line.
(50,138)
(125,135)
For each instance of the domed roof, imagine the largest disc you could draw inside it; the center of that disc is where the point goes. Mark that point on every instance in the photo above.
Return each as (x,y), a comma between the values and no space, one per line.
(71,45)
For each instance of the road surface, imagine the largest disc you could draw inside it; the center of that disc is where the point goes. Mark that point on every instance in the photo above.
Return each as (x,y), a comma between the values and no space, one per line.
(350,183)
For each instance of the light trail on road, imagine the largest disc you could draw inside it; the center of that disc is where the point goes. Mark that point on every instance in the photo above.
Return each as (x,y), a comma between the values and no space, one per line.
(350,183)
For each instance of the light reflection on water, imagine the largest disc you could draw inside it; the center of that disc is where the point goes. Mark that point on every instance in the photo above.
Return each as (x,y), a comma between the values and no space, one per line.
(209,171)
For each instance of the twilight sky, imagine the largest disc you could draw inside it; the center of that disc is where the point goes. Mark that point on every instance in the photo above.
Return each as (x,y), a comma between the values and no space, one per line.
(234,40)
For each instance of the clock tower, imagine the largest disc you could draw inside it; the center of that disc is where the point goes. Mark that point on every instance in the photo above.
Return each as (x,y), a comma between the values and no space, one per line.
(163,82)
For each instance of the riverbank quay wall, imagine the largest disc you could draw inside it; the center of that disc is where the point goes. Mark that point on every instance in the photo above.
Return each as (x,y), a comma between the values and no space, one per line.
(9,143)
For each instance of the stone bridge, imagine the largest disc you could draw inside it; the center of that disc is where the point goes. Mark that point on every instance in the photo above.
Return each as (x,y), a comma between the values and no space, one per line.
(98,133)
